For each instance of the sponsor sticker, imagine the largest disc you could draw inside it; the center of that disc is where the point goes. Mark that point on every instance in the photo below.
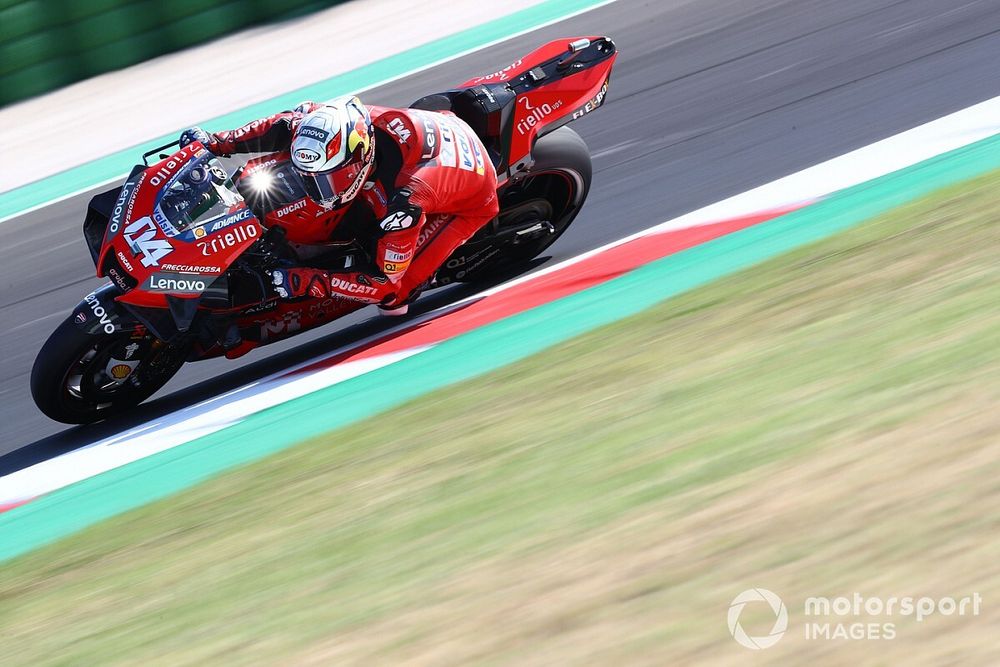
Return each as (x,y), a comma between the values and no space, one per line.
(228,239)
(466,158)
(431,228)
(259,167)
(306,155)
(352,288)
(290,322)
(500,75)
(118,279)
(100,313)
(291,208)
(165,225)
(398,127)
(190,268)
(393,256)
(316,133)
(141,239)
(536,114)
(239,216)
(215,225)
(592,104)
(397,221)
(261,308)
(124,260)
(431,142)
(480,160)
(448,156)
(176,283)
(396,267)
(171,166)
(123,205)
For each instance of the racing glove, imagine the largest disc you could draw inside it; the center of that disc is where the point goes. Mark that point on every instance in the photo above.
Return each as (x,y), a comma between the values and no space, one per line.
(293,283)
(193,134)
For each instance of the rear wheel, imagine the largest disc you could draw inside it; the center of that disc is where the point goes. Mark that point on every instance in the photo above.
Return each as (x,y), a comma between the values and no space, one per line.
(79,378)
(534,211)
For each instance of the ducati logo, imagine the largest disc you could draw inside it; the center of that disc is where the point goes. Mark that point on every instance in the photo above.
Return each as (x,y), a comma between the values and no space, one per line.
(141,238)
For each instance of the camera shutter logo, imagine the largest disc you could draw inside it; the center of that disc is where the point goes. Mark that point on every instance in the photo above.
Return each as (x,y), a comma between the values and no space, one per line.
(780,621)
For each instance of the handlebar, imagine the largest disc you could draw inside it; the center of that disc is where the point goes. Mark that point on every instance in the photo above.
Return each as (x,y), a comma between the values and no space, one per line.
(145,156)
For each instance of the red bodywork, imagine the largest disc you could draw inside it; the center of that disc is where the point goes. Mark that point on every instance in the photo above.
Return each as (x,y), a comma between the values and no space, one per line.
(551,103)
(208,256)
(137,244)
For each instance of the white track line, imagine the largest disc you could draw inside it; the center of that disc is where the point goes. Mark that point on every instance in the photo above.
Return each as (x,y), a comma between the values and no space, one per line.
(899,151)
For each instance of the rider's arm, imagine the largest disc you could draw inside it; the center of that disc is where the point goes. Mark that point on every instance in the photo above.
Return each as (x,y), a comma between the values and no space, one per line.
(264,135)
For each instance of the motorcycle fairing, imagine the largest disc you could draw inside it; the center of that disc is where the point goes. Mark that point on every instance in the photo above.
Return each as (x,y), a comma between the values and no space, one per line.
(551,86)
(173,230)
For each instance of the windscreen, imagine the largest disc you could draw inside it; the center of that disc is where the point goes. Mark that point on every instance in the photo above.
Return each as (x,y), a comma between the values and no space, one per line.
(199,193)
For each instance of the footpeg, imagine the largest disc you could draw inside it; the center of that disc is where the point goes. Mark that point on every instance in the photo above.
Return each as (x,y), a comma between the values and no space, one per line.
(544,225)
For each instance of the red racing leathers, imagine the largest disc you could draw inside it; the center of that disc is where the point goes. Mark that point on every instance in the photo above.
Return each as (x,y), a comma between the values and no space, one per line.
(433,187)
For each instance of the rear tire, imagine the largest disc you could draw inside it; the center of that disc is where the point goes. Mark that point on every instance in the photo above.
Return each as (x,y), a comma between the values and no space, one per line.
(554,190)
(70,383)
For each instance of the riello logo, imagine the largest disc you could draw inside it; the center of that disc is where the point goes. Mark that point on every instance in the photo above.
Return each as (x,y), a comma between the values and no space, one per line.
(222,242)
(536,114)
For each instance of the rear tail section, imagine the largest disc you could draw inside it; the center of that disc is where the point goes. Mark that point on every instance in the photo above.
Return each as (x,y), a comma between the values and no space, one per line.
(513,106)
(552,85)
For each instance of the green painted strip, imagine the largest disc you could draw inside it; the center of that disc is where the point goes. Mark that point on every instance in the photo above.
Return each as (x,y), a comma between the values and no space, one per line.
(70,509)
(118,164)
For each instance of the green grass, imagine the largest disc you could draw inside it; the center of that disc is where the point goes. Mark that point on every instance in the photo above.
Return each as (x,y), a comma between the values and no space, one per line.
(822,423)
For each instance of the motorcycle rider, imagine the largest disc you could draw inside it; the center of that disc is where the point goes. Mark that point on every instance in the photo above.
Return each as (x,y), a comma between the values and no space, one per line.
(425,176)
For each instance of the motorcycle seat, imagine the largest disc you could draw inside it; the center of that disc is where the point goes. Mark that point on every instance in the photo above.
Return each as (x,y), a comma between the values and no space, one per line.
(488,110)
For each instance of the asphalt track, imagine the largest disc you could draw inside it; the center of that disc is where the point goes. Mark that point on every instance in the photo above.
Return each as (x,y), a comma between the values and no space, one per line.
(708,99)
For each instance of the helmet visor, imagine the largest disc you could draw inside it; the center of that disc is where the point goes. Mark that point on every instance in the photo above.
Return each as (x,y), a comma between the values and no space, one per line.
(330,187)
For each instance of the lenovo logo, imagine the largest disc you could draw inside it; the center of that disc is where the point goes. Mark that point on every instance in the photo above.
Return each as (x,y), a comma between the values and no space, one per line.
(177,283)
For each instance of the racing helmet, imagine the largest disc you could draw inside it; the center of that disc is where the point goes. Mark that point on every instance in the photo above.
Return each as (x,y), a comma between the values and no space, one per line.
(333,149)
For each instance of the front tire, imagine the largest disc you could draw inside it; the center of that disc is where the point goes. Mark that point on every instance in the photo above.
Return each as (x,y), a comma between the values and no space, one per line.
(74,378)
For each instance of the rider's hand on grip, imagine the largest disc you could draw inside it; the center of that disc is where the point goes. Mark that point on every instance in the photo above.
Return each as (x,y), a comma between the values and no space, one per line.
(193,134)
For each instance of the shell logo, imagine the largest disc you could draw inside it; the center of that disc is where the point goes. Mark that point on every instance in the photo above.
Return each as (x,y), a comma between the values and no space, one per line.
(120,371)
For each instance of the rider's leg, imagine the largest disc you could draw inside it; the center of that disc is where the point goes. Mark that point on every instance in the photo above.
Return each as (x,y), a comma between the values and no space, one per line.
(439,238)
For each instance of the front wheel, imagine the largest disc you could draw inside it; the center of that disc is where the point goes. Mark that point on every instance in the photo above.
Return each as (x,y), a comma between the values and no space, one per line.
(79,378)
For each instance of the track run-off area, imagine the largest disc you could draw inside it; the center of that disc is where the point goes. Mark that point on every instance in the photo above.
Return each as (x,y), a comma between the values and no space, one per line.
(664,145)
